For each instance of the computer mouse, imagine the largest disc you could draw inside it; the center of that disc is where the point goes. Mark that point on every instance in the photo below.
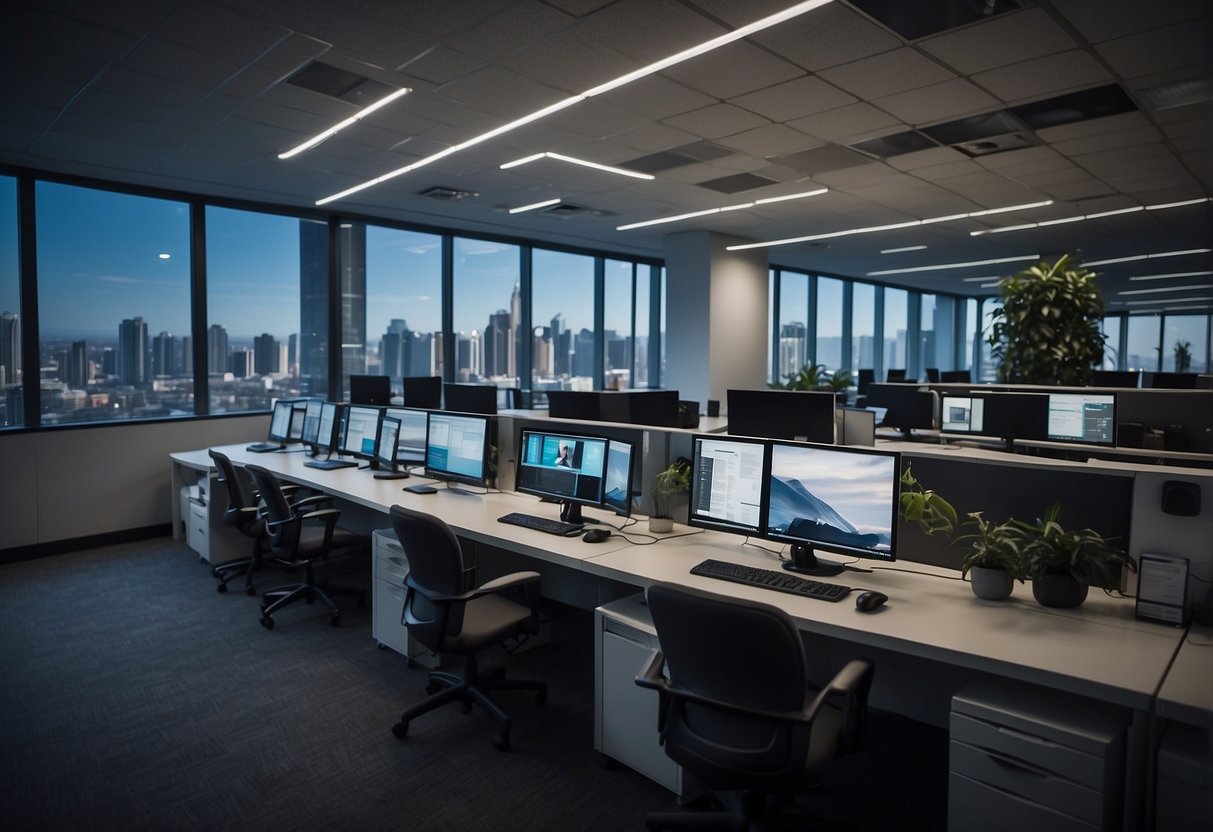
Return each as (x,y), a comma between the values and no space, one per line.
(596,535)
(870,601)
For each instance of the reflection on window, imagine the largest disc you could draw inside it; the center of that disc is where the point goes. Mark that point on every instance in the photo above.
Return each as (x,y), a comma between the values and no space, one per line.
(1111,333)
(487,298)
(863,326)
(267,302)
(1141,351)
(1185,342)
(644,281)
(829,322)
(12,402)
(987,370)
(968,325)
(404,309)
(793,323)
(895,329)
(114,305)
(562,313)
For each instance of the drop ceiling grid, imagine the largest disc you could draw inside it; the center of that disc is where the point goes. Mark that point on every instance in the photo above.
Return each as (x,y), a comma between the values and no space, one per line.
(1002,40)
(794,99)
(832,35)
(888,73)
(951,99)
(1042,77)
(717,73)
(519,27)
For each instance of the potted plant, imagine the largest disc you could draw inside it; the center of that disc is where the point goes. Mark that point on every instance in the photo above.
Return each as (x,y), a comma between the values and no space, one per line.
(840,383)
(808,378)
(1183,356)
(1047,330)
(1063,564)
(673,481)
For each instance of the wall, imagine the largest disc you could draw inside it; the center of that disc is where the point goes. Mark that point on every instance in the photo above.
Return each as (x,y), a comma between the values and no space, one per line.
(66,483)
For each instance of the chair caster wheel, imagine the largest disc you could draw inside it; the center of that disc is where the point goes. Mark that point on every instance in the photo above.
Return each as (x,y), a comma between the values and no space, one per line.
(267,622)
(541,698)
(400,730)
(501,742)
(335,621)
(221,589)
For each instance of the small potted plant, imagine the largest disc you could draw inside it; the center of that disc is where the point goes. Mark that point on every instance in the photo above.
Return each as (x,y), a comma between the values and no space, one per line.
(1063,564)
(994,557)
(1183,356)
(673,481)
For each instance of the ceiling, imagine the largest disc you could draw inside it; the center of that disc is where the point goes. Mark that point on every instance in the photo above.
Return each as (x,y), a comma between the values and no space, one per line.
(195,96)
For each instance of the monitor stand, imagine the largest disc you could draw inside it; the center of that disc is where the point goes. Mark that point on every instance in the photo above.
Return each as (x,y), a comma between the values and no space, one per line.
(804,561)
(392,473)
(571,513)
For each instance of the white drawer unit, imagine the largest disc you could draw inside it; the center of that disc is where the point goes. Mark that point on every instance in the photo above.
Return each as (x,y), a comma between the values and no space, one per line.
(387,598)
(1023,757)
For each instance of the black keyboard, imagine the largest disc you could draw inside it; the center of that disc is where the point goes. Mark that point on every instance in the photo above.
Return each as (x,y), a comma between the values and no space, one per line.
(263,447)
(329,464)
(542,524)
(771,579)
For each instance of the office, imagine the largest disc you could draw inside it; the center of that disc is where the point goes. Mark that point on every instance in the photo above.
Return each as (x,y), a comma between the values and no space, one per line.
(193,122)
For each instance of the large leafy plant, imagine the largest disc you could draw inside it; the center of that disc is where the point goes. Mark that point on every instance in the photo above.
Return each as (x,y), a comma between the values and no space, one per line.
(667,485)
(1048,329)
(1084,554)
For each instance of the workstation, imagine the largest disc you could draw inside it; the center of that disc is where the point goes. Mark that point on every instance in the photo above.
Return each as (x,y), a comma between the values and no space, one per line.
(842,185)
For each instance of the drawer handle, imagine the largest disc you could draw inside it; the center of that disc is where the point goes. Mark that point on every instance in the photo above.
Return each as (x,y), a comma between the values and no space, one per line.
(1019,735)
(1018,765)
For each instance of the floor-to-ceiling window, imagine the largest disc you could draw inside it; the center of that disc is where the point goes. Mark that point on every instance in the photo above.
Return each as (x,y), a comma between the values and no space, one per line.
(562,314)
(1141,349)
(643,338)
(1185,336)
(896,328)
(618,324)
(987,370)
(11,401)
(259,343)
(113,305)
(486,282)
(829,322)
(1110,327)
(968,325)
(793,323)
(863,326)
(404,310)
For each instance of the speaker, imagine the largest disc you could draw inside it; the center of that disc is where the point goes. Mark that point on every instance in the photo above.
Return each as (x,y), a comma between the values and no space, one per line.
(1181,498)
(713,408)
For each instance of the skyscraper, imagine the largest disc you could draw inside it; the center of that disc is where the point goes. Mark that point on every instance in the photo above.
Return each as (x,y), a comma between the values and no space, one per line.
(265,355)
(313,307)
(498,341)
(394,349)
(10,347)
(582,361)
(164,355)
(241,363)
(353,298)
(132,352)
(216,349)
(77,365)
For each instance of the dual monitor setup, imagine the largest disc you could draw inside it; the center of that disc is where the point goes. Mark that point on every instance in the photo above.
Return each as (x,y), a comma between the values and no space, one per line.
(831,498)
(575,470)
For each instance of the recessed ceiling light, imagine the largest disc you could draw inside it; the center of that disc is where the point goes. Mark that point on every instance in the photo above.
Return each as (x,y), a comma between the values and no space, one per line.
(1172,274)
(1082,217)
(337,128)
(942,266)
(547,154)
(1184,288)
(873,228)
(979,279)
(900,250)
(737,207)
(1147,256)
(535,205)
(164,255)
(677,58)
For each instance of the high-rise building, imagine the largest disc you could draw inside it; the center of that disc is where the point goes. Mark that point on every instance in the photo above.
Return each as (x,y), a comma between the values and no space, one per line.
(793,348)
(187,356)
(313,307)
(395,348)
(353,298)
(265,355)
(562,346)
(132,352)
(241,362)
(582,360)
(498,340)
(165,355)
(216,349)
(10,347)
(77,365)
(516,330)
(292,354)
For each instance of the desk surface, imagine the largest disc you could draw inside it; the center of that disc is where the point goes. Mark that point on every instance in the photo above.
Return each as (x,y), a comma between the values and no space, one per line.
(1099,650)
(1187,692)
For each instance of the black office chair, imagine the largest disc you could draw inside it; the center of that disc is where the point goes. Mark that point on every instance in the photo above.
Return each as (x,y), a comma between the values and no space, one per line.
(932,375)
(301,537)
(895,375)
(242,515)
(445,613)
(736,709)
(864,377)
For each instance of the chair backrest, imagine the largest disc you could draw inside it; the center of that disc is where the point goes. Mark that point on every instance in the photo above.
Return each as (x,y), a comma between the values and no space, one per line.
(895,375)
(933,375)
(281,522)
(436,568)
(239,494)
(748,655)
(864,377)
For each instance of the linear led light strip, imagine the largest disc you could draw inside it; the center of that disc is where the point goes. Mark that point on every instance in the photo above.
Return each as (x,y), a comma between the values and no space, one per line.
(873,228)
(1171,274)
(1083,217)
(1164,300)
(738,207)
(337,128)
(943,266)
(677,58)
(534,206)
(547,154)
(1131,258)
(1185,288)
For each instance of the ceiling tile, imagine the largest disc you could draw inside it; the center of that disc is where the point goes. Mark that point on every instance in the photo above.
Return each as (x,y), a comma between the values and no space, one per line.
(441,65)
(1043,77)
(794,99)
(716,74)
(653,137)
(1171,47)
(569,62)
(769,140)
(1146,134)
(846,123)
(716,121)
(831,35)
(888,73)
(998,41)
(926,158)
(521,26)
(1093,127)
(1108,19)
(649,30)
(498,90)
(657,97)
(950,99)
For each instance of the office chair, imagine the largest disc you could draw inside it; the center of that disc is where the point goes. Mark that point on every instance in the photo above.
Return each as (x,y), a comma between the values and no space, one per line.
(736,709)
(932,375)
(895,375)
(301,536)
(956,377)
(445,614)
(864,377)
(242,515)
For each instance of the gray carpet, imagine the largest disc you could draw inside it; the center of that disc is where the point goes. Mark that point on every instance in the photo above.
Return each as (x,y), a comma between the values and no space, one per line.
(135,697)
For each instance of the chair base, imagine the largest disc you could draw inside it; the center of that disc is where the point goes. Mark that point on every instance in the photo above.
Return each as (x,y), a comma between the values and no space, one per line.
(275,599)
(472,687)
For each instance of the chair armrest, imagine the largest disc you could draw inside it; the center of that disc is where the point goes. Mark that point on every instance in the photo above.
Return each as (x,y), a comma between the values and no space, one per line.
(317,499)
(851,684)
(504,582)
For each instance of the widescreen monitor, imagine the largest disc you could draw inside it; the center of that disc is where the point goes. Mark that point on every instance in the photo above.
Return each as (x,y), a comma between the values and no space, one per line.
(411,447)
(841,500)
(563,466)
(456,447)
(1012,416)
(726,483)
(384,461)
(962,414)
(908,407)
(1089,418)
(280,420)
(956,377)
(640,407)
(376,390)
(617,491)
(1116,378)
(326,430)
(573,404)
(361,430)
(470,398)
(782,414)
(311,422)
(422,391)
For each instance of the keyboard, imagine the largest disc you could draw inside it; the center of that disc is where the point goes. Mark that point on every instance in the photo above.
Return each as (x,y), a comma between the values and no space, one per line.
(263,447)
(542,524)
(776,579)
(329,464)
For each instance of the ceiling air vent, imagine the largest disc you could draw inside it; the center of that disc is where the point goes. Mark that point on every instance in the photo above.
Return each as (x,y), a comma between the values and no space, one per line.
(336,82)
(446,194)
(565,209)
(996,144)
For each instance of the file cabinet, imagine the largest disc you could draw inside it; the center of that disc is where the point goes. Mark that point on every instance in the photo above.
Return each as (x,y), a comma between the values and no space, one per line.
(391,567)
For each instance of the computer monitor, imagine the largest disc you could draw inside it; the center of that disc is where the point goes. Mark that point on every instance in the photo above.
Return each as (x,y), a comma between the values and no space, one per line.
(384,461)
(327,428)
(376,390)
(1012,416)
(1115,378)
(470,398)
(280,421)
(573,404)
(562,466)
(895,375)
(311,421)
(422,391)
(841,500)
(962,414)
(955,376)
(456,447)
(411,445)
(298,417)
(640,407)
(1089,418)
(1171,381)
(617,491)
(782,414)
(726,483)
(361,430)
(908,407)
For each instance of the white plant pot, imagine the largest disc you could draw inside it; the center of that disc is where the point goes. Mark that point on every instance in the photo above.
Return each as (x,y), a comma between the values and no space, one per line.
(661,525)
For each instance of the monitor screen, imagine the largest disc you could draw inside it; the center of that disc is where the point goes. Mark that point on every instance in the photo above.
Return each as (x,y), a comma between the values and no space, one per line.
(1015,415)
(726,483)
(311,421)
(962,414)
(1115,378)
(617,492)
(956,377)
(456,446)
(639,407)
(280,421)
(376,390)
(842,500)
(564,466)
(1083,417)
(470,398)
(411,447)
(361,428)
(907,406)
(327,426)
(423,391)
(573,404)
(298,409)
(385,444)
(782,414)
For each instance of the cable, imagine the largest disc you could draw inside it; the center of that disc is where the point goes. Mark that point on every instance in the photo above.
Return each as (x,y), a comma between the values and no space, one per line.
(916,572)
